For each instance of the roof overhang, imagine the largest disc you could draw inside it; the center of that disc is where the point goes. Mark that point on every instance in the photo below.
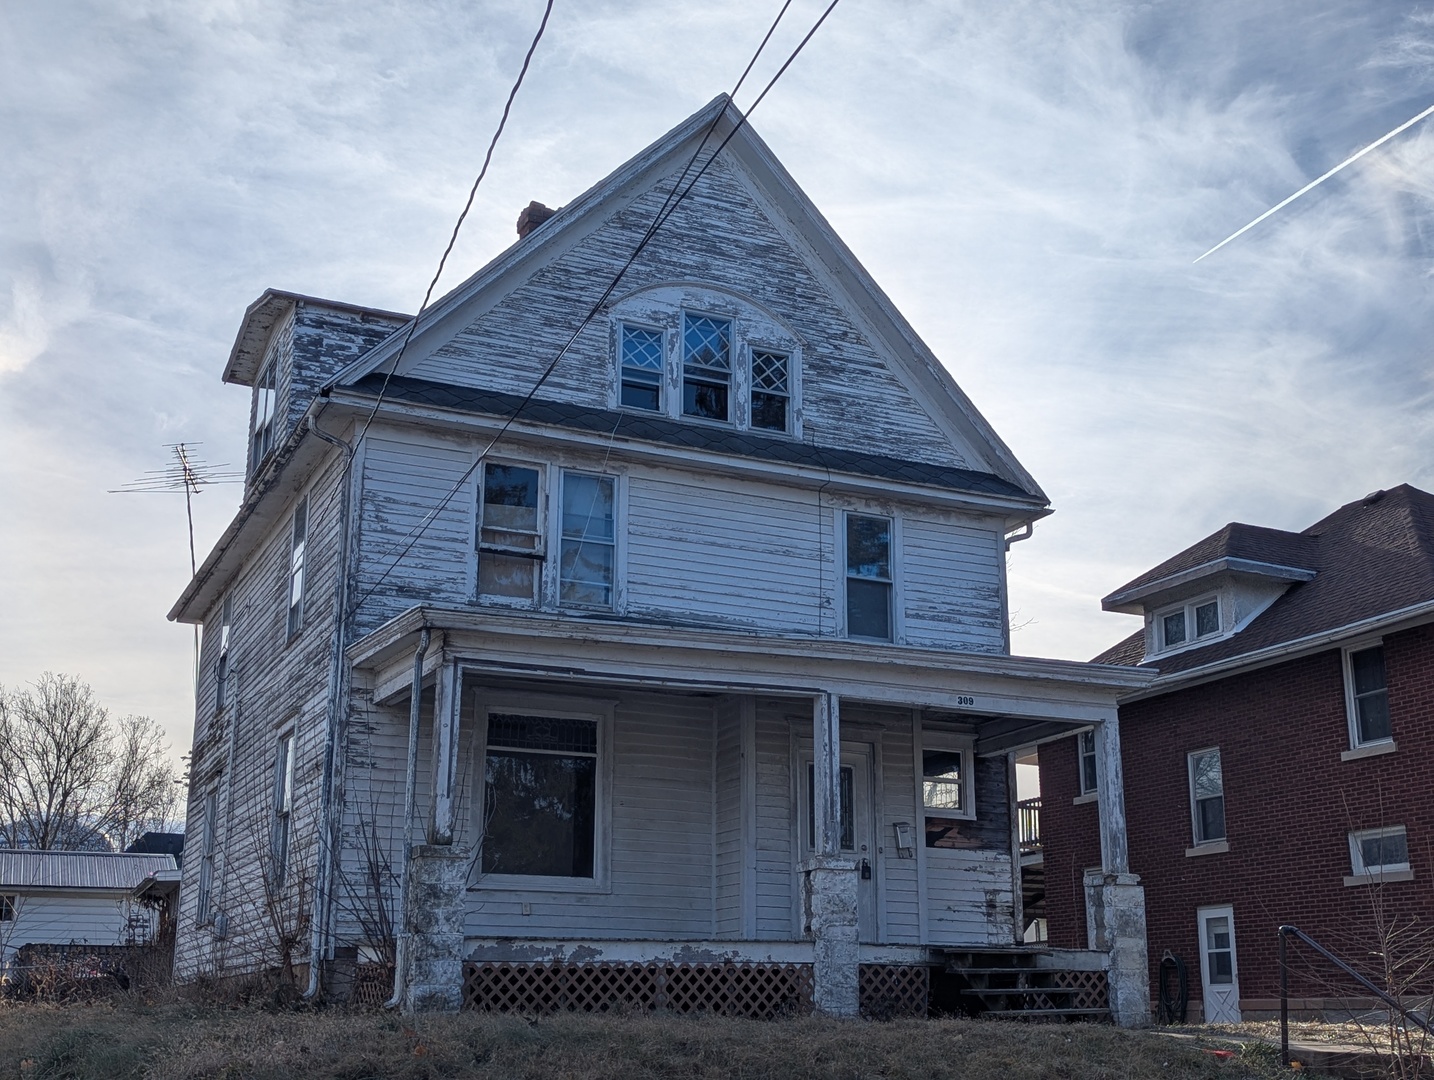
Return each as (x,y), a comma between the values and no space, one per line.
(247,355)
(1137,600)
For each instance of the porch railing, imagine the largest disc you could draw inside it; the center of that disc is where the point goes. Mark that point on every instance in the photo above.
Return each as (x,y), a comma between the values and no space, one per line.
(1028,815)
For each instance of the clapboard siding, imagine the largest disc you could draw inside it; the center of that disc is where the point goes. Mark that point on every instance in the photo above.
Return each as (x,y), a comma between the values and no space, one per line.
(65,918)
(776,865)
(969,898)
(901,886)
(727,772)
(661,861)
(719,236)
(951,584)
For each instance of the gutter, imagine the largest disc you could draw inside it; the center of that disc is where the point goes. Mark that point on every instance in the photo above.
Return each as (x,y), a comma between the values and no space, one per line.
(1387,622)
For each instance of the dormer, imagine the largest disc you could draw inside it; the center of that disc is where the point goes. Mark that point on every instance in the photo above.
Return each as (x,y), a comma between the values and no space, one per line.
(288,346)
(1215,588)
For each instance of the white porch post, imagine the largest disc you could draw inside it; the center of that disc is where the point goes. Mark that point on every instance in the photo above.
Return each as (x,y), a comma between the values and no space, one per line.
(829,880)
(446,696)
(1114,897)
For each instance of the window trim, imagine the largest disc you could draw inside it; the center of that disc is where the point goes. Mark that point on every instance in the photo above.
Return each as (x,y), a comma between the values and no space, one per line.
(1187,607)
(1362,874)
(570,707)
(298,560)
(663,379)
(1082,754)
(539,555)
(1199,841)
(893,582)
(749,353)
(1351,701)
(735,407)
(947,741)
(282,802)
(619,545)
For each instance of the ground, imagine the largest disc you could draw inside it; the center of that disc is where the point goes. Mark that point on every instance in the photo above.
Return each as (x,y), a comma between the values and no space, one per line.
(173,1040)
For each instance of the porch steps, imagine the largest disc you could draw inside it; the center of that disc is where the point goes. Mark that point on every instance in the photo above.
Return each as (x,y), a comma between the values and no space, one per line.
(1013,984)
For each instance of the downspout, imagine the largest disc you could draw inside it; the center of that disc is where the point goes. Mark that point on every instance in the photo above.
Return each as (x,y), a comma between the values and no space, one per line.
(410,794)
(338,690)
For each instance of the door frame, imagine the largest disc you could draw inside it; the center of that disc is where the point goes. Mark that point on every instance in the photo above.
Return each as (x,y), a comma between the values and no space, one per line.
(1202,915)
(869,756)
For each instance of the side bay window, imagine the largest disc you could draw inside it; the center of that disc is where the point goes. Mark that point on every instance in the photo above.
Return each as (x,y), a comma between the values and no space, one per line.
(869,578)
(588,560)
(510,532)
(1207,796)
(543,795)
(1366,696)
(706,367)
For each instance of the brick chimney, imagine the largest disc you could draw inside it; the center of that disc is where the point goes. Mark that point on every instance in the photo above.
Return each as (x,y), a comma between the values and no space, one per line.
(533,215)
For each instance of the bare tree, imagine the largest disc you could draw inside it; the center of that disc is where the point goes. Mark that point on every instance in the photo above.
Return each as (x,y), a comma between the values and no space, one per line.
(73,778)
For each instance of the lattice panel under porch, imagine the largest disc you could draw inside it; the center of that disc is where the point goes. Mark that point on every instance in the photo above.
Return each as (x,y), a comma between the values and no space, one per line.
(758,991)
(886,991)
(1090,987)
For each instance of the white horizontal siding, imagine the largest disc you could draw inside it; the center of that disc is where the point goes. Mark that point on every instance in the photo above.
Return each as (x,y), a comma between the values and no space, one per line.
(969,897)
(776,866)
(69,918)
(951,584)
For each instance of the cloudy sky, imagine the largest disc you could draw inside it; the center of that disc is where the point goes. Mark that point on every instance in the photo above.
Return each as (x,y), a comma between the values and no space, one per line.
(1029,181)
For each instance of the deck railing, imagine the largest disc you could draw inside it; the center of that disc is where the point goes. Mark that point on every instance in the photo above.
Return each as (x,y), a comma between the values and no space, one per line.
(1028,814)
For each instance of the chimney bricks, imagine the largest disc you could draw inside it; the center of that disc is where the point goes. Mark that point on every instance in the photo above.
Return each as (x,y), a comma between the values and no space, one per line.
(533,215)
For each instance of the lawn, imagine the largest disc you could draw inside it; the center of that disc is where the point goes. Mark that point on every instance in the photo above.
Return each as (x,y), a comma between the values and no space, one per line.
(178,1041)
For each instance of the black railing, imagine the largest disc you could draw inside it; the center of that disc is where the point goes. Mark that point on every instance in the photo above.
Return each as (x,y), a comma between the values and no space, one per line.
(1028,815)
(1287,932)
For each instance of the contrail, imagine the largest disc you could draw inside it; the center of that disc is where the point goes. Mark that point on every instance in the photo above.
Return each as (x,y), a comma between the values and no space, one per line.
(1315,183)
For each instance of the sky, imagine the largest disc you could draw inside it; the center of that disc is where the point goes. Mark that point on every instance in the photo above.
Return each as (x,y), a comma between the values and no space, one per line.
(1029,182)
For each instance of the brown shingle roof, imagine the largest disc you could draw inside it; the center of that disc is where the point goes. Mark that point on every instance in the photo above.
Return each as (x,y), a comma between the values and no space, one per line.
(1370,557)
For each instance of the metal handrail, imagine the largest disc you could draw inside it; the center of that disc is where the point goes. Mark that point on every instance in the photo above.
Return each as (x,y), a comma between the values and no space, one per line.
(1286,932)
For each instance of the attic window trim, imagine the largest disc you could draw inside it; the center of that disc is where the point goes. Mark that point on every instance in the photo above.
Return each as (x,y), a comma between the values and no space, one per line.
(1193,639)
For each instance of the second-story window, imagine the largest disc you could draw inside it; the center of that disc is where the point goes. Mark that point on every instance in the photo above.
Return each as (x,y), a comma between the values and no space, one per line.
(221,666)
(706,367)
(588,563)
(264,400)
(1207,796)
(1189,622)
(1367,696)
(771,390)
(642,368)
(868,577)
(510,537)
(296,567)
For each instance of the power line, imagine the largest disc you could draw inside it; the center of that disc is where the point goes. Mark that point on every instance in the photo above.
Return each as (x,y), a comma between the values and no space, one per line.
(665,212)
(453,239)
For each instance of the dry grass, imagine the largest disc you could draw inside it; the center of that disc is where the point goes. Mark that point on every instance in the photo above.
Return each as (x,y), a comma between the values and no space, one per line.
(175,1041)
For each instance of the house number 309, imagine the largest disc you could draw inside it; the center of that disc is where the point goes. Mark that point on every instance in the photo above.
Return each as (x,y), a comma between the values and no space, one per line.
(963,700)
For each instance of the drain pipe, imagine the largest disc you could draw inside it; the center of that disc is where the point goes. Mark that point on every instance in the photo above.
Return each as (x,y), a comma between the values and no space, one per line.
(410,793)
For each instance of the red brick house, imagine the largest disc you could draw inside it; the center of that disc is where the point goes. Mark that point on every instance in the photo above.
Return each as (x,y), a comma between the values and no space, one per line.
(1279,768)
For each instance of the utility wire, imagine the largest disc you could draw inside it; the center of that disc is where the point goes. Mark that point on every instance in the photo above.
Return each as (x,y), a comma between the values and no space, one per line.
(453,239)
(669,207)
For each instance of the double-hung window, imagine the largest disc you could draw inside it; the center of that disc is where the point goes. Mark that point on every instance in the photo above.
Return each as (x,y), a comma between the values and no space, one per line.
(300,534)
(1207,796)
(947,793)
(208,836)
(771,390)
(1089,777)
(706,367)
(283,807)
(264,398)
(868,577)
(221,665)
(1374,853)
(8,903)
(510,533)
(1367,696)
(642,368)
(588,561)
(540,795)
(1189,622)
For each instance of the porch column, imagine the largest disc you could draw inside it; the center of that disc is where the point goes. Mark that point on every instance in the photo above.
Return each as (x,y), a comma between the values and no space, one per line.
(447,694)
(1114,897)
(829,880)
(436,917)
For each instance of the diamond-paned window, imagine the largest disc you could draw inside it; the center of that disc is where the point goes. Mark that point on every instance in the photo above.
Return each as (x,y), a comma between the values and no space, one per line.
(706,367)
(641,368)
(770,390)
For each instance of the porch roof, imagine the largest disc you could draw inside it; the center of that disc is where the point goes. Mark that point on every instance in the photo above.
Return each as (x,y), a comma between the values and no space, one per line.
(1014,700)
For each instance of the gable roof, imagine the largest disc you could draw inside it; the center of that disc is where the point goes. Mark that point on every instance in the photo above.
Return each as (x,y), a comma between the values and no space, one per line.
(1371,558)
(911,362)
(110,871)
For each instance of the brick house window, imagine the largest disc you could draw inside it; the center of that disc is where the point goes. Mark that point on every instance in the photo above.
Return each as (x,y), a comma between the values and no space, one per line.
(1366,696)
(1379,853)
(1088,773)
(1207,796)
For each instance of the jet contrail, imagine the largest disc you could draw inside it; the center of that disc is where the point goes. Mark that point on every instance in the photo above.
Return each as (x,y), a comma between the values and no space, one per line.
(1315,183)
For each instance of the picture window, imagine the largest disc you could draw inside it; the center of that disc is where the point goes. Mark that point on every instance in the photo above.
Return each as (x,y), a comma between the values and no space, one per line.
(510,535)
(868,577)
(1207,796)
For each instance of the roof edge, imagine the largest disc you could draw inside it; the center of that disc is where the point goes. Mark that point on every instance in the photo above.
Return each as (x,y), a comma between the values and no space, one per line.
(1128,601)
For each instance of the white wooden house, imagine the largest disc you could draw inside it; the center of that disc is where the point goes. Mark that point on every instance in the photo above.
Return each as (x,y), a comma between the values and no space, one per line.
(684,660)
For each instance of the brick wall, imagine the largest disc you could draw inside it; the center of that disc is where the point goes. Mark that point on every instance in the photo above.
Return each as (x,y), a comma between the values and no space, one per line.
(1290,803)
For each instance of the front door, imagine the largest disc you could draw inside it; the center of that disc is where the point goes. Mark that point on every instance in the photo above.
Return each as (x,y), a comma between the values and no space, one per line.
(857,830)
(1219,973)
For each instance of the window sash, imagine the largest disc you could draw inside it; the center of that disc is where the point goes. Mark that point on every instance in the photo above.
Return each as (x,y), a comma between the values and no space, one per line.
(510,531)
(642,368)
(771,390)
(706,367)
(1089,774)
(1188,623)
(1207,796)
(587,564)
(869,577)
(1369,696)
(221,665)
(264,409)
(1379,851)
(296,566)
(8,904)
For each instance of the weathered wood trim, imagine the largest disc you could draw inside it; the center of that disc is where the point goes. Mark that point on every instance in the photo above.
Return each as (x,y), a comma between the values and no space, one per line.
(826,771)
(1110,786)
(446,713)
(748,751)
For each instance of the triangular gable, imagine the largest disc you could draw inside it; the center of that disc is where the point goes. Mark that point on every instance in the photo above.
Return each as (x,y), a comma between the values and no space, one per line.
(589,231)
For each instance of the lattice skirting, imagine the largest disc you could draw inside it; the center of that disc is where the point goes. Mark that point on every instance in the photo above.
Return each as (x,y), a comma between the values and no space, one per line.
(373,985)
(759,991)
(887,991)
(1090,987)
